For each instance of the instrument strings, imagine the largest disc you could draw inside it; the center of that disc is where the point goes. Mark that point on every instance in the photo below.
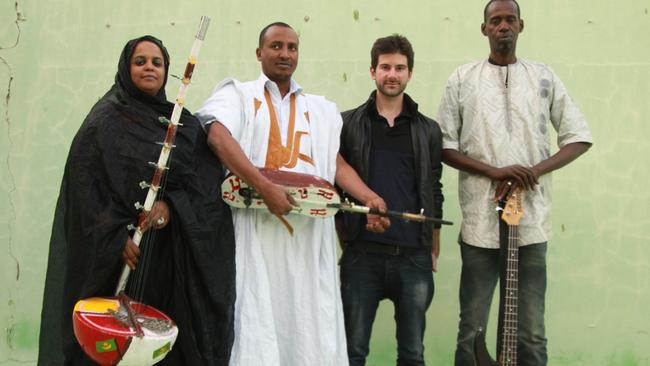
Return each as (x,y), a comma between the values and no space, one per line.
(509,345)
(138,280)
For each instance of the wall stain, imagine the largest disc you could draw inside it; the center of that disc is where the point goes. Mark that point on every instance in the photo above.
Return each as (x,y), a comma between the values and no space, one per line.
(10,330)
(10,334)
(355,15)
(12,179)
(19,18)
(11,327)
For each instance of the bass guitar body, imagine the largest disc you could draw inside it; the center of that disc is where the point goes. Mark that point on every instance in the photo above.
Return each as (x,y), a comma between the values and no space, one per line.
(111,334)
(481,354)
(512,211)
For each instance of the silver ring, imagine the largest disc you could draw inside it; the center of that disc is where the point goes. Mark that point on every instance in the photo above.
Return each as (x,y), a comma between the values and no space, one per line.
(509,183)
(160,221)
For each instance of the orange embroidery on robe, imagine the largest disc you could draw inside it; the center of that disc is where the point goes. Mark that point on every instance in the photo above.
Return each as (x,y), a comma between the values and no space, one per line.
(258,103)
(306,159)
(277,155)
(293,158)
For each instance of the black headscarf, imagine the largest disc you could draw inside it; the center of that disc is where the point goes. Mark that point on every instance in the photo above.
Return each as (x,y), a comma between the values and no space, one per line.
(126,89)
(192,265)
(123,76)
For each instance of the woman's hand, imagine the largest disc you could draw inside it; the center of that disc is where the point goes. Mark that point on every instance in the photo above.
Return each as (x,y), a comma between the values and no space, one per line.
(158,217)
(130,254)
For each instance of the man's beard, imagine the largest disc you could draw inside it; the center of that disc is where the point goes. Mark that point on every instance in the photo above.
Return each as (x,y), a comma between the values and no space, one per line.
(505,46)
(391,93)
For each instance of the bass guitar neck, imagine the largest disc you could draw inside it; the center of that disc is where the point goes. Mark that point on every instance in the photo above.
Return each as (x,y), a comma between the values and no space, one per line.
(512,212)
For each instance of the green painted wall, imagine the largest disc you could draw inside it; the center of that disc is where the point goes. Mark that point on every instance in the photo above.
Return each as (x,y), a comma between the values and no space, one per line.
(57,57)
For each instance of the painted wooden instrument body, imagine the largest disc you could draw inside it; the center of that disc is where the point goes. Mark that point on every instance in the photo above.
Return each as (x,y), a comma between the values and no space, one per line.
(113,332)
(315,196)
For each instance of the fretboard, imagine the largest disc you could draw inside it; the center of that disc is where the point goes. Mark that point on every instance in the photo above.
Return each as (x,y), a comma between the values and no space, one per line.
(509,344)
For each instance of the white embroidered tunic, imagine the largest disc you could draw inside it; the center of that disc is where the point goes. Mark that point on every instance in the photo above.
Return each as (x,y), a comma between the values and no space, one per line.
(500,115)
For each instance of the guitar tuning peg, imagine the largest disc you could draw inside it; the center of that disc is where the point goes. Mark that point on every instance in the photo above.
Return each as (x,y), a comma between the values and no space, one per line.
(422,211)
(130,227)
(144,185)
(164,120)
(138,206)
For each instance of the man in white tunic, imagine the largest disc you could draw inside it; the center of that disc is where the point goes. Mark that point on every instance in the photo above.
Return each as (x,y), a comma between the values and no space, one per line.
(288,308)
(494,117)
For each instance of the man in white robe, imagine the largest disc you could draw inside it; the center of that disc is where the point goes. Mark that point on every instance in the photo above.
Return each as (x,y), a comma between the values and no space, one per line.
(288,308)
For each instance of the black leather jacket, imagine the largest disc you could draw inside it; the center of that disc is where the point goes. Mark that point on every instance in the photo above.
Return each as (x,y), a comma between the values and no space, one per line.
(427,148)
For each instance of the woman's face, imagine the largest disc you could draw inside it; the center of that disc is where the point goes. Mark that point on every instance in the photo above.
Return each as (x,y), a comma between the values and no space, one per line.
(147,67)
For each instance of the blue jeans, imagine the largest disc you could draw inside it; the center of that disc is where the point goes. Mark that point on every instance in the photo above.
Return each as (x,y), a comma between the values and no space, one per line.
(479,276)
(405,279)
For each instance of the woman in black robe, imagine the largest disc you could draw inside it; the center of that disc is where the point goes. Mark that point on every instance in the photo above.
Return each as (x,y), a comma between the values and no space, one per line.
(190,272)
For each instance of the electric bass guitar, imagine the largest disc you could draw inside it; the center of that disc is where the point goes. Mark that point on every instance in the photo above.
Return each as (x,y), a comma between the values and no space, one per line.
(511,214)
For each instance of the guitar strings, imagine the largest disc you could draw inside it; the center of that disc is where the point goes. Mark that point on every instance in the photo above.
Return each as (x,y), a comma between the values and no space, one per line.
(509,347)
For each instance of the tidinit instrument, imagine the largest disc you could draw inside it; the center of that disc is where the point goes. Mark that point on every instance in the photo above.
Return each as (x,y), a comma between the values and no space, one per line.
(315,196)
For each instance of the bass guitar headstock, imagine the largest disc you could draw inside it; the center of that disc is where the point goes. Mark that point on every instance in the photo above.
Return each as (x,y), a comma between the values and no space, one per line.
(513,209)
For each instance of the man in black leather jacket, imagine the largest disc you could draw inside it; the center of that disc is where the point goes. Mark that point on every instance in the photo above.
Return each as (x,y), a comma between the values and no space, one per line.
(396,150)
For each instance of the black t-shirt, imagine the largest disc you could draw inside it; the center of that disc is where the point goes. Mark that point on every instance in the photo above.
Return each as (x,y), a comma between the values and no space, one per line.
(392,176)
